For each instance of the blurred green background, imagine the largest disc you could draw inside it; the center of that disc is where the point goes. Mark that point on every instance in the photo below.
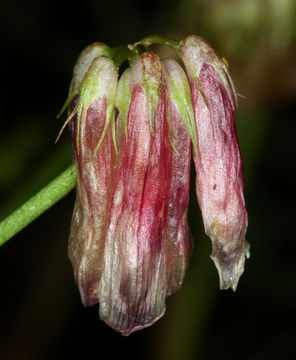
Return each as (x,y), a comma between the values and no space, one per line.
(41,313)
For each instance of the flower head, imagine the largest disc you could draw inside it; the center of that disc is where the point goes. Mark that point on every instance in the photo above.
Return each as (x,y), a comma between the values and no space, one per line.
(130,241)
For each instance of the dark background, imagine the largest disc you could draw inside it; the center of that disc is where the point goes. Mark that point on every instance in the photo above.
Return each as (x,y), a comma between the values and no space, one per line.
(41,316)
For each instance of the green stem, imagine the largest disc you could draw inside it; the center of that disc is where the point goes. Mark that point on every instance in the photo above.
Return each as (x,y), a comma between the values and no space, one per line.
(38,204)
(161,40)
(119,54)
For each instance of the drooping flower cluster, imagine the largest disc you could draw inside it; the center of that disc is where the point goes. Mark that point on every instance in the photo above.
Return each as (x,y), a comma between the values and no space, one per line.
(130,240)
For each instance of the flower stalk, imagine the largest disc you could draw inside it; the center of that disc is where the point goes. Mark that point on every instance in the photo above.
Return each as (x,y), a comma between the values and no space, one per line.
(38,204)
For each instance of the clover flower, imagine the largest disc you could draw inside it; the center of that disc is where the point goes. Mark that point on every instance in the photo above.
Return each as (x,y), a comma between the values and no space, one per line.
(132,140)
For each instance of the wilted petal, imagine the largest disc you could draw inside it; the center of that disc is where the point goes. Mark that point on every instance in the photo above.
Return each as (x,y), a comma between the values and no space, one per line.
(219,182)
(180,114)
(133,284)
(95,166)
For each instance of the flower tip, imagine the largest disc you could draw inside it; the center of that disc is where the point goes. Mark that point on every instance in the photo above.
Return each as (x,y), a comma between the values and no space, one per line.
(127,329)
(89,295)
(230,268)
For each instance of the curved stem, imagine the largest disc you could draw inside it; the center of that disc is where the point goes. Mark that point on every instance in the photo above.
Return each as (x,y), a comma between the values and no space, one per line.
(38,204)
(161,40)
(119,54)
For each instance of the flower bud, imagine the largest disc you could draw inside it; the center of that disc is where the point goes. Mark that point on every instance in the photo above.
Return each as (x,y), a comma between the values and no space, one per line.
(94,156)
(181,119)
(133,286)
(83,62)
(219,175)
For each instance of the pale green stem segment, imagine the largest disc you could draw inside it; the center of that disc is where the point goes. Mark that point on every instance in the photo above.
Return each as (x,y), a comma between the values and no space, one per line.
(161,40)
(38,204)
(119,54)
